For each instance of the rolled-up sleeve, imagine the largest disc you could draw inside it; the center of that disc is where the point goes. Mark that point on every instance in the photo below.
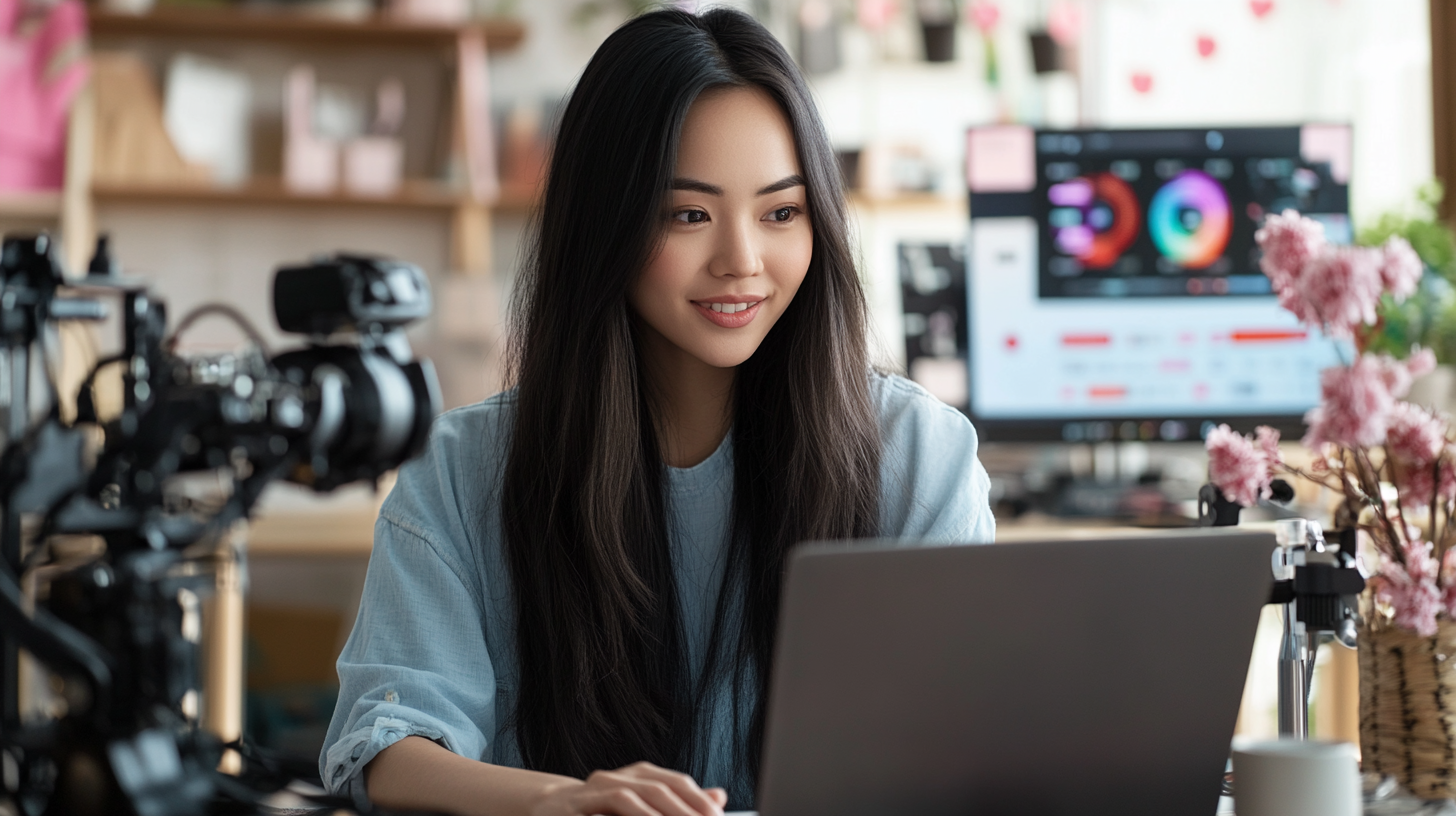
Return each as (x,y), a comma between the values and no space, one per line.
(417,661)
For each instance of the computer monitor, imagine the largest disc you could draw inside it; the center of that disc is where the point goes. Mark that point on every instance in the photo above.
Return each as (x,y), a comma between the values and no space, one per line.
(1113,289)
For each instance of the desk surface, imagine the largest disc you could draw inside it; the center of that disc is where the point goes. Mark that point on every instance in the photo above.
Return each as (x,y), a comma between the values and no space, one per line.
(1225,808)
(346,528)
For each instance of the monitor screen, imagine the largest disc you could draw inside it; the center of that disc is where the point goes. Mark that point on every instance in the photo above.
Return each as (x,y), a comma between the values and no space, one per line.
(1113,287)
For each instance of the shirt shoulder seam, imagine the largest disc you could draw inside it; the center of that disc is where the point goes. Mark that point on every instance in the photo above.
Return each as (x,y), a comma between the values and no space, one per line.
(917,395)
(448,561)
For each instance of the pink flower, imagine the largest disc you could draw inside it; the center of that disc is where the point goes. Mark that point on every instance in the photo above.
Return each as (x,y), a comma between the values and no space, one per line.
(1357,400)
(1400,268)
(1337,291)
(1356,405)
(1328,287)
(1422,361)
(1399,375)
(1411,590)
(1268,441)
(1414,440)
(1237,467)
(1415,436)
(1416,483)
(1289,241)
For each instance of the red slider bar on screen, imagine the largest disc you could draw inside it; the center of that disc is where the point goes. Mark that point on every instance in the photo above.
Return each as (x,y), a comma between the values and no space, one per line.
(1106,392)
(1086,339)
(1267,335)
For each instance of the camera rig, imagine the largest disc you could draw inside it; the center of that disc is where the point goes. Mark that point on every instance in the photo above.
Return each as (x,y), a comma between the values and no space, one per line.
(117,630)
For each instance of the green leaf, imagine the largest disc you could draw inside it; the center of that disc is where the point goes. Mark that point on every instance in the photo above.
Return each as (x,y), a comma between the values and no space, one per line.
(1428,317)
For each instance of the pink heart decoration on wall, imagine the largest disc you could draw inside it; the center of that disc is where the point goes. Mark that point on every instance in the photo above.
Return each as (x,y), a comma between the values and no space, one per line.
(984,15)
(876,14)
(1261,8)
(1064,23)
(1206,46)
(1142,82)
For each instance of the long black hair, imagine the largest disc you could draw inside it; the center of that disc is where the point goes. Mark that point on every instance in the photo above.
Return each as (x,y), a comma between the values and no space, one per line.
(604,679)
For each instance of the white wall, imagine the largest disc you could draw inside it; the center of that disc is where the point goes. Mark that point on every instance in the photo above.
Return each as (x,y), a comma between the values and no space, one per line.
(1366,62)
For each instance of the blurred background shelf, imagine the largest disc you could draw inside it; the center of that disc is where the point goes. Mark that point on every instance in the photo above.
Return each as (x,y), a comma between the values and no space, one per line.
(311,30)
(415,194)
(347,532)
(30,205)
(144,196)
(907,201)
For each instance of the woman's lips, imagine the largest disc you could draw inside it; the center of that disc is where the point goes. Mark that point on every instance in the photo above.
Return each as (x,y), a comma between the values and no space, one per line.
(736,320)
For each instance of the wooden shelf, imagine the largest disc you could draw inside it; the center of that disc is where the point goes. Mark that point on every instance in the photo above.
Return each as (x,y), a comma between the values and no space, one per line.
(334,532)
(517,199)
(416,194)
(271,192)
(864,200)
(284,26)
(30,205)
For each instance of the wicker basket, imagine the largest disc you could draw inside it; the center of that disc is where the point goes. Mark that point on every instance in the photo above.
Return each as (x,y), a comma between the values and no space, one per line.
(1408,706)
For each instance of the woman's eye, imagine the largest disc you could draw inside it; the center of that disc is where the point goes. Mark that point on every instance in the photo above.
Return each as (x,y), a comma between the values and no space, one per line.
(690,216)
(783,214)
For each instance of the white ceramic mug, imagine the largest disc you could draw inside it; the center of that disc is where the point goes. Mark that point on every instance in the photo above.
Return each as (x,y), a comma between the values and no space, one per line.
(1296,778)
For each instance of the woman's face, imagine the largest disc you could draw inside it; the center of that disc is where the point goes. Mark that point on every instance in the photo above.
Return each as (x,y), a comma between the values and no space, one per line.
(738,239)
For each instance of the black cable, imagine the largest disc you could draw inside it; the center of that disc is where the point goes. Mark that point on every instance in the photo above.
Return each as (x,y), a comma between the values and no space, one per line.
(223,310)
(86,394)
(55,643)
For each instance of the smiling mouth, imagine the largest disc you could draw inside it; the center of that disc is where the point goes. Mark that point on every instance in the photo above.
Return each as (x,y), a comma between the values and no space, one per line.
(730,308)
(729,315)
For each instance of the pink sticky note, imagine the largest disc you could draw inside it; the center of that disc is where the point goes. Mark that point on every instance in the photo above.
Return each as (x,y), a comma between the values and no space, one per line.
(1001,159)
(1328,143)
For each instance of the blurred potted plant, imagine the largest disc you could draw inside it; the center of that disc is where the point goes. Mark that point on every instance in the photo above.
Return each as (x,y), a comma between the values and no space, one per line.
(937,27)
(1428,317)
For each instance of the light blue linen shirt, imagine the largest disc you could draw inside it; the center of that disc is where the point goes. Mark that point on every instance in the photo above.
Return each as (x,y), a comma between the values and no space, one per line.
(432,652)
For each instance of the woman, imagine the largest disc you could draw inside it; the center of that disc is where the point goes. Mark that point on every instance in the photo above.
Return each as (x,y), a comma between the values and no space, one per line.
(582,574)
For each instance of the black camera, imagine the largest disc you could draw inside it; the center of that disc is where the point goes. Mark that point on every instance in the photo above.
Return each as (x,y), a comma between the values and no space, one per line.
(349,405)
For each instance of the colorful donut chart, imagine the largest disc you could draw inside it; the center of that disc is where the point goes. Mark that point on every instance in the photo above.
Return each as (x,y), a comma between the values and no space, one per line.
(1098,245)
(1189,219)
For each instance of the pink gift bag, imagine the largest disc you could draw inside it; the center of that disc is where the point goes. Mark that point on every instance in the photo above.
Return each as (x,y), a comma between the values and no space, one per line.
(34,97)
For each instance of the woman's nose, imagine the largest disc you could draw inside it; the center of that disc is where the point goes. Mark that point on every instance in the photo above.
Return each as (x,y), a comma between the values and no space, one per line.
(738,254)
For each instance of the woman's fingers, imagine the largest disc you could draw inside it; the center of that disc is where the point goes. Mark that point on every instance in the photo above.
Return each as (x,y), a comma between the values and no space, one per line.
(667,801)
(645,789)
(613,801)
(699,801)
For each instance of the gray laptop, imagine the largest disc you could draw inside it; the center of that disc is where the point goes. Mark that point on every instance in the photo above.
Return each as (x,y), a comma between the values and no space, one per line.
(1084,677)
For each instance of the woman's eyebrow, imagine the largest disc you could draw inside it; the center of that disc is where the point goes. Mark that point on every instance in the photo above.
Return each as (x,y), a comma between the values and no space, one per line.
(696,186)
(782,184)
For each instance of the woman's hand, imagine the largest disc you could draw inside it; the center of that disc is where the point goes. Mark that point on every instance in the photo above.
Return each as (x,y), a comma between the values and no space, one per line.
(640,789)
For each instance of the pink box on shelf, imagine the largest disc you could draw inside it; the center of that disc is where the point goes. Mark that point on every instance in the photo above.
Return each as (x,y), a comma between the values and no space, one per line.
(373,165)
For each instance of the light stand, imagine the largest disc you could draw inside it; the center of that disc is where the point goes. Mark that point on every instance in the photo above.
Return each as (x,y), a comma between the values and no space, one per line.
(1317,587)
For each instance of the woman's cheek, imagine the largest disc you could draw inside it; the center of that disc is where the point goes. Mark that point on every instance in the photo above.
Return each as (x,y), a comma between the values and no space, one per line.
(667,275)
(792,261)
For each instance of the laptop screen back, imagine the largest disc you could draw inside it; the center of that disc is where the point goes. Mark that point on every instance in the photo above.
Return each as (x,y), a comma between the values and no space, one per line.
(1086,677)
